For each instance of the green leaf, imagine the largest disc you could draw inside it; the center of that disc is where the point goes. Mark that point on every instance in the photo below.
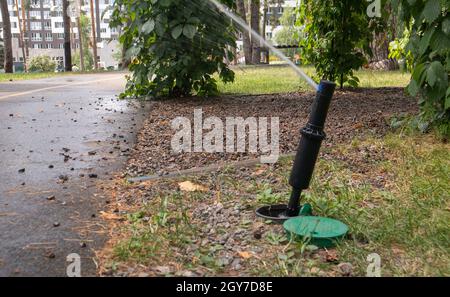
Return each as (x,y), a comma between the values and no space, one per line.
(435,73)
(176,32)
(148,27)
(447,99)
(446,26)
(432,10)
(189,31)
(413,88)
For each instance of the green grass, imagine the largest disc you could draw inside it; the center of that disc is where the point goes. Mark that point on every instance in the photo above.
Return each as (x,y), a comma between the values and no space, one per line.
(392,192)
(281,79)
(39,75)
(26,76)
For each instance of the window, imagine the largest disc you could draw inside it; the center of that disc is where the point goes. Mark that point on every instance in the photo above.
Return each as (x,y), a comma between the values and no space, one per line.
(59,25)
(48,45)
(280,9)
(36,37)
(35,14)
(47,14)
(14,25)
(48,36)
(37,45)
(103,30)
(47,25)
(36,26)
(59,35)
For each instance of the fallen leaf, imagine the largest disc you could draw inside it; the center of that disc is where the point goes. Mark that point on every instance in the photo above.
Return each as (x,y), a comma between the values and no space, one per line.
(331,256)
(245,255)
(188,186)
(109,216)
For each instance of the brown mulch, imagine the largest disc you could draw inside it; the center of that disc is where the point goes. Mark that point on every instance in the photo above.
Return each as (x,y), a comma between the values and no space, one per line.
(353,113)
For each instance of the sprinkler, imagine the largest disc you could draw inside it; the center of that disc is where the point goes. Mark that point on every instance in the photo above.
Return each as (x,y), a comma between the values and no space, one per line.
(308,150)
(298,220)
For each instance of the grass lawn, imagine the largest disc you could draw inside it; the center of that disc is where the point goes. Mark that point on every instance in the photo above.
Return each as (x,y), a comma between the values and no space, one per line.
(34,75)
(281,79)
(393,193)
(38,75)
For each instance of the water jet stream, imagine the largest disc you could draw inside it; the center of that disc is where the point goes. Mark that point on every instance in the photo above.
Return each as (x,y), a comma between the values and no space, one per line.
(276,51)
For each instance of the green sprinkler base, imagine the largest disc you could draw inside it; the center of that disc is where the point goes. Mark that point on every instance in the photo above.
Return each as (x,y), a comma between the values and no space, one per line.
(318,231)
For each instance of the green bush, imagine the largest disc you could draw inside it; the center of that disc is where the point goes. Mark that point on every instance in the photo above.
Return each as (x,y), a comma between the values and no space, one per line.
(336,36)
(42,64)
(428,22)
(175,46)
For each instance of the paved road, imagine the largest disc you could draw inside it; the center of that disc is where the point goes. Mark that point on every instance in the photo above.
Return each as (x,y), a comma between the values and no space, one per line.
(61,132)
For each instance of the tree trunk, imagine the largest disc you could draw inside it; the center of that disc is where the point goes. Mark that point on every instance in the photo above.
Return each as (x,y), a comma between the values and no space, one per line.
(80,38)
(266,7)
(21,43)
(255,6)
(94,38)
(25,31)
(245,34)
(67,43)
(7,38)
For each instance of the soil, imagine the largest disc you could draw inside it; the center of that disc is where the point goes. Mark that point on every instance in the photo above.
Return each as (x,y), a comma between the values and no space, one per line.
(353,113)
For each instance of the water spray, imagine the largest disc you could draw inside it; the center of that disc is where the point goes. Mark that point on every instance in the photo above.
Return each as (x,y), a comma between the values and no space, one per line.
(224,9)
(298,220)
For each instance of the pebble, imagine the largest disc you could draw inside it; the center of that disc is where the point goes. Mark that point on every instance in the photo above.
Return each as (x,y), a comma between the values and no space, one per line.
(346,269)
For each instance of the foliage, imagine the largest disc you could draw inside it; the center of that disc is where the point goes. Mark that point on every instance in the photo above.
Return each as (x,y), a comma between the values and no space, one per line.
(289,34)
(429,45)
(88,59)
(2,54)
(336,35)
(42,64)
(175,46)
(397,50)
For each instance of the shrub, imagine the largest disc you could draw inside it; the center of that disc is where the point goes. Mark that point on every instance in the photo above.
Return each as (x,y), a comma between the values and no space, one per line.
(336,35)
(428,22)
(42,64)
(175,46)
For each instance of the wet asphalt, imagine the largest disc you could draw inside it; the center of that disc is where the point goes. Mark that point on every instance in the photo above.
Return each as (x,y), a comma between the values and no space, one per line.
(60,138)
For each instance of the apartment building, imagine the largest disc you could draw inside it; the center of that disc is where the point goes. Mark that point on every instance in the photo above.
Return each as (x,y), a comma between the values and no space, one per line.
(45,31)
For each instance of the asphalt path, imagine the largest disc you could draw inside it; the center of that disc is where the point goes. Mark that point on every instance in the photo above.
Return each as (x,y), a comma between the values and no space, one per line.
(60,138)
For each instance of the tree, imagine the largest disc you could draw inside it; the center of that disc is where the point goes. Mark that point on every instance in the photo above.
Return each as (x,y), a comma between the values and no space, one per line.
(428,23)
(94,38)
(255,17)
(80,34)
(21,34)
(67,43)
(246,40)
(7,38)
(2,53)
(289,34)
(84,57)
(175,46)
(385,28)
(336,36)
(25,7)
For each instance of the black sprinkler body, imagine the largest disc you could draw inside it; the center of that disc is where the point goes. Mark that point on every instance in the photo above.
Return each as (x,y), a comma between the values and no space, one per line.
(308,150)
